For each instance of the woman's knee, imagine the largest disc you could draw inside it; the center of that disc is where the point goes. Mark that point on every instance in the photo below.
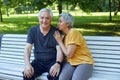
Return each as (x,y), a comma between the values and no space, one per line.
(82,72)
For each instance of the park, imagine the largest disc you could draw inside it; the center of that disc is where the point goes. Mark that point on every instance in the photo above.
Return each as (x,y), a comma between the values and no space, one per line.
(89,21)
(97,20)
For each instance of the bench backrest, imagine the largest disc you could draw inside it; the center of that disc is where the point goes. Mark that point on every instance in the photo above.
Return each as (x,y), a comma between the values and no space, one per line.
(105,50)
(106,53)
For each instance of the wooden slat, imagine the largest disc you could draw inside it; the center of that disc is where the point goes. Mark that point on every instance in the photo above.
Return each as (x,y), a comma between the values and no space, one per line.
(8,77)
(106,56)
(111,48)
(15,35)
(108,65)
(16,68)
(102,38)
(105,51)
(115,61)
(105,43)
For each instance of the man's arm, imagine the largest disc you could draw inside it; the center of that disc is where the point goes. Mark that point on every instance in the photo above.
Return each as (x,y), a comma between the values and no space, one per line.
(28,70)
(59,54)
(27,53)
(55,69)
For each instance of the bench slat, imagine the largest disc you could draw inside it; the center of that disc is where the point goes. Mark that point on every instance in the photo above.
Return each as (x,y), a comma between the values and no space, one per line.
(102,38)
(106,56)
(103,43)
(105,51)
(104,47)
(7,77)
(115,61)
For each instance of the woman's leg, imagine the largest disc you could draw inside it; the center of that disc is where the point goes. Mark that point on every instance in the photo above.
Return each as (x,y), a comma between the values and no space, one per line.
(83,72)
(67,72)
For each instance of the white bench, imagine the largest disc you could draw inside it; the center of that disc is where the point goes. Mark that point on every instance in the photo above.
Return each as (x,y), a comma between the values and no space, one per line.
(105,50)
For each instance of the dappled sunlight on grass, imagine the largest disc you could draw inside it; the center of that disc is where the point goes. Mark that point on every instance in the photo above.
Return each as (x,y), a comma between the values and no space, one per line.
(82,30)
(94,24)
(10,25)
(104,24)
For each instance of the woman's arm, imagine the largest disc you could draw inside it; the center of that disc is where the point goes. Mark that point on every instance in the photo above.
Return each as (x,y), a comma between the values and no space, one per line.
(69,50)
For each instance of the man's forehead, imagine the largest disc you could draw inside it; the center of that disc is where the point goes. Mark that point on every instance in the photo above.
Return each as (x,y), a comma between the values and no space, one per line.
(45,14)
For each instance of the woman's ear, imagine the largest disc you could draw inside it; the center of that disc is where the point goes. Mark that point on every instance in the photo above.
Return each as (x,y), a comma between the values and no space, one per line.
(68,24)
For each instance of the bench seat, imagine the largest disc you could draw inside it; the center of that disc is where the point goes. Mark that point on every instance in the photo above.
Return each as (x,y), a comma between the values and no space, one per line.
(105,51)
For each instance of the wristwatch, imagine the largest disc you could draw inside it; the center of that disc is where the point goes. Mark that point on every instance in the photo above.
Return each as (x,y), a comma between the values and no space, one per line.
(58,62)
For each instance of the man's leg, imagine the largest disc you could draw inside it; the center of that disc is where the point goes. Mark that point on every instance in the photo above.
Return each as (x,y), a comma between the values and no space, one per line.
(52,78)
(38,70)
(51,63)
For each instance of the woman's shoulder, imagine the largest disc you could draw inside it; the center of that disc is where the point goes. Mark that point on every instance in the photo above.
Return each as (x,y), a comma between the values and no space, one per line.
(73,30)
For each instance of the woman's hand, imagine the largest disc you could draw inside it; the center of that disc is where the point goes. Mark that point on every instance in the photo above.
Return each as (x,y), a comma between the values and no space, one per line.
(58,37)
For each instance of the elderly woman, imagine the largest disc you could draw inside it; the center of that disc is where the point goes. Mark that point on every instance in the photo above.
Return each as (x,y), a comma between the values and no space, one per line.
(79,62)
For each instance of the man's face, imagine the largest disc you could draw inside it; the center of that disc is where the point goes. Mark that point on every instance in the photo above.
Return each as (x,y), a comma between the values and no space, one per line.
(45,19)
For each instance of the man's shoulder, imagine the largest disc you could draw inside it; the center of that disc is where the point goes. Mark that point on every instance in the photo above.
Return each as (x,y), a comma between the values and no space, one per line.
(34,28)
(54,28)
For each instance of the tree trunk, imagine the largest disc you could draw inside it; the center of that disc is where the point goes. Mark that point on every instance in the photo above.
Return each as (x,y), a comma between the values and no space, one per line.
(59,7)
(1,20)
(117,8)
(110,10)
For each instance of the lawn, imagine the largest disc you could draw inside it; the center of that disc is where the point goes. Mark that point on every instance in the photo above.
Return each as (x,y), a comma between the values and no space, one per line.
(95,24)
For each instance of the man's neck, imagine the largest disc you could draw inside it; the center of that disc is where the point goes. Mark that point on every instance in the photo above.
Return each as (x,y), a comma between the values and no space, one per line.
(44,30)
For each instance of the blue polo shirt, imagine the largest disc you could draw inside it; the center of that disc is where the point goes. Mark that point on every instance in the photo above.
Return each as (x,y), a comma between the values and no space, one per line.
(44,45)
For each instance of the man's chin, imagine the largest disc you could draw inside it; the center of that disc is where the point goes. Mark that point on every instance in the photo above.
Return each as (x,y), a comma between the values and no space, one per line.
(45,26)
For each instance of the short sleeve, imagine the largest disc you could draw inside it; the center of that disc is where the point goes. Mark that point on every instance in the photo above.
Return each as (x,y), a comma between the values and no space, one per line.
(74,37)
(30,36)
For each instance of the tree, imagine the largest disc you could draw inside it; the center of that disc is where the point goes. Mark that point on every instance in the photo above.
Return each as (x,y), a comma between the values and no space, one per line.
(1,20)
(6,4)
(117,6)
(60,3)
(42,3)
(110,10)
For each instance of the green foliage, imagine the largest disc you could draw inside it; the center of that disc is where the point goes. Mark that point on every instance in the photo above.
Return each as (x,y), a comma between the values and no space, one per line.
(42,3)
(87,25)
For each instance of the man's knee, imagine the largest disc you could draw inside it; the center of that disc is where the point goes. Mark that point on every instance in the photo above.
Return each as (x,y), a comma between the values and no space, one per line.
(25,78)
(52,78)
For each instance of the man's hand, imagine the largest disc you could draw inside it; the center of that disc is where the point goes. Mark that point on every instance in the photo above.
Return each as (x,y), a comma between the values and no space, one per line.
(55,69)
(28,71)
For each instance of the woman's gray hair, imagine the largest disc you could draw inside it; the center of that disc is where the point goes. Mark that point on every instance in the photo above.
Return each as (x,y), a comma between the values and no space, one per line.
(68,18)
(45,10)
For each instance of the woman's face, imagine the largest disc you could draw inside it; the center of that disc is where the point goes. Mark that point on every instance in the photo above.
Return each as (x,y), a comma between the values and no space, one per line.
(62,25)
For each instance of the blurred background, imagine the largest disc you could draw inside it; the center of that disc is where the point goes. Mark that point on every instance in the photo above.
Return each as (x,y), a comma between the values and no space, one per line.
(92,17)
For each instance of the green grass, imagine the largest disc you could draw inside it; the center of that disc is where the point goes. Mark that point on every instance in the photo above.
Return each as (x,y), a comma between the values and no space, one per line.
(97,24)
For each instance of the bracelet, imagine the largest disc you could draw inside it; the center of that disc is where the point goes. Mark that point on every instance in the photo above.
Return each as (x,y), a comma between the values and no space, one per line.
(58,62)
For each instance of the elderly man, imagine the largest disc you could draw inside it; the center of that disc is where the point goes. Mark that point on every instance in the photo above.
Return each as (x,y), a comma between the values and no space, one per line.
(47,53)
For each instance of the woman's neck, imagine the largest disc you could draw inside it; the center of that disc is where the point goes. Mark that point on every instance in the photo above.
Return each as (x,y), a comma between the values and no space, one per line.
(66,31)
